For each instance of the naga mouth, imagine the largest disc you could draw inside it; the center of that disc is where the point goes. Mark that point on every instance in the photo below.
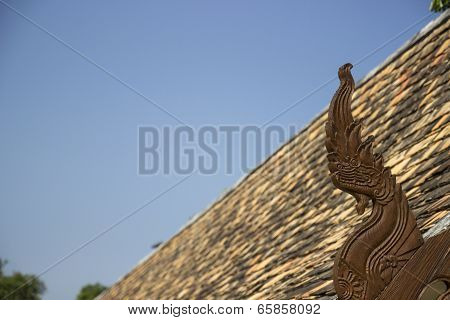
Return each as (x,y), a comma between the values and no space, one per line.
(358,192)
(362,201)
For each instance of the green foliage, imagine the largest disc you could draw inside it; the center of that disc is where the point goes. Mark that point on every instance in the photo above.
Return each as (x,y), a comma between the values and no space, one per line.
(439,5)
(2,264)
(19,286)
(90,291)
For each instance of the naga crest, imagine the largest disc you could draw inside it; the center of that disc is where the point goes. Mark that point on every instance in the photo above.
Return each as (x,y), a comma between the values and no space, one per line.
(353,166)
(387,239)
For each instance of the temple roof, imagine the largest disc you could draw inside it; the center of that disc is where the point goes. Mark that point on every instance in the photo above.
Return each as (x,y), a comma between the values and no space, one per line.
(275,234)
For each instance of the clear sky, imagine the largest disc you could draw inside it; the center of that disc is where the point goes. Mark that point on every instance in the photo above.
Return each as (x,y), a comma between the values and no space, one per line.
(68,130)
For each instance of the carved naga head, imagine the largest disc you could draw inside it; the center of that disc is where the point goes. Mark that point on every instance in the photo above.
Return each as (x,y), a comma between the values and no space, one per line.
(353,166)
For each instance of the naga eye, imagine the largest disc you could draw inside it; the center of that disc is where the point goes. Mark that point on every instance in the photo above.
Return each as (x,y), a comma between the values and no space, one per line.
(354,162)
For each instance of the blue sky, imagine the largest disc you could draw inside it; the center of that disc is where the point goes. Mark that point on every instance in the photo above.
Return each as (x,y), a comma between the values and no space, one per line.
(68,130)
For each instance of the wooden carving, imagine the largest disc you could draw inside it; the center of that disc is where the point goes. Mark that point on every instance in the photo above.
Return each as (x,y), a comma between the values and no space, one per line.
(382,245)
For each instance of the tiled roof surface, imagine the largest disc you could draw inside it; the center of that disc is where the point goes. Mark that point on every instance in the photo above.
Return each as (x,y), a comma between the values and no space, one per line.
(275,234)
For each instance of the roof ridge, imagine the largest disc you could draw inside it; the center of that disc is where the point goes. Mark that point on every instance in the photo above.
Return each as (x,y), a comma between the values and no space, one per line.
(433,24)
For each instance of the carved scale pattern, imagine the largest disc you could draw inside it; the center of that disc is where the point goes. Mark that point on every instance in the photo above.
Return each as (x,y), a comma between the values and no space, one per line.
(386,240)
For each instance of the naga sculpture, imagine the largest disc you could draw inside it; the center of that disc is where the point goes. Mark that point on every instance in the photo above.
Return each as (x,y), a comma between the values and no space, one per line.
(381,246)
